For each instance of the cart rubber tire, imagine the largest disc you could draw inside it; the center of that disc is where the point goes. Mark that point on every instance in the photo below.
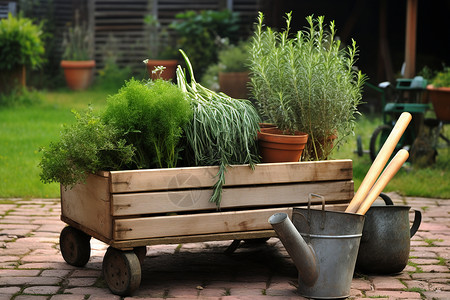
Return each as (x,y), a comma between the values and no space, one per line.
(375,142)
(75,246)
(122,271)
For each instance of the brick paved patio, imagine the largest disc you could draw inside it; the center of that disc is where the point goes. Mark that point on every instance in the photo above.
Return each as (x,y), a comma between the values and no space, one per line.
(31,266)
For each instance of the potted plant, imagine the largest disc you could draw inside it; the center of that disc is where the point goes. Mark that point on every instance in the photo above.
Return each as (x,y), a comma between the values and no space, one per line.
(439,94)
(162,51)
(21,47)
(77,63)
(201,34)
(305,82)
(233,70)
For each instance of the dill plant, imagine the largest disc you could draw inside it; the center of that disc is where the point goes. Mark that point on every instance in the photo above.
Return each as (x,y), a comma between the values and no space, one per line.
(150,115)
(223,130)
(305,81)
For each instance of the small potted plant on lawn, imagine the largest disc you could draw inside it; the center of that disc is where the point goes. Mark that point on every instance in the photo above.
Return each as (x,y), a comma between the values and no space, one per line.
(21,47)
(305,82)
(233,70)
(77,63)
(162,51)
(439,94)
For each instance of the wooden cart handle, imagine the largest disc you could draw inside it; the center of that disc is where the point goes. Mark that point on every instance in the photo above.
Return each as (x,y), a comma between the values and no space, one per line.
(392,169)
(379,162)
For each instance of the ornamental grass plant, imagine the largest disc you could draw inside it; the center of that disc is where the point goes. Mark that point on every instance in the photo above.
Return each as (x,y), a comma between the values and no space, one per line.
(306,81)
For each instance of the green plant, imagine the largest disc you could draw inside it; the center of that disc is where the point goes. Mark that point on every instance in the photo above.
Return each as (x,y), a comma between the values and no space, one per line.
(20,43)
(222,131)
(77,41)
(21,96)
(85,147)
(442,78)
(159,40)
(150,116)
(306,82)
(201,34)
(234,58)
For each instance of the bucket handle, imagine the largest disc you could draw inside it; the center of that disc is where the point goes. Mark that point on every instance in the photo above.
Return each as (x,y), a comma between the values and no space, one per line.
(310,196)
(416,223)
(417,215)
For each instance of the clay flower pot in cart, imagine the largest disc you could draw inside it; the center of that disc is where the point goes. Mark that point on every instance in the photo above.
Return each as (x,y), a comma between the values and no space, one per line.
(78,73)
(440,98)
(274,146)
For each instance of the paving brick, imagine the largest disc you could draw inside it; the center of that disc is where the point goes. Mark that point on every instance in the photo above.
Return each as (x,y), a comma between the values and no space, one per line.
(20,281)
(393,294)
(387,283)
(87,291)
(67,297)
(19,273)
(30,297)
(104,297)
(437,295)
(9,290)
(83,281)
(41,290)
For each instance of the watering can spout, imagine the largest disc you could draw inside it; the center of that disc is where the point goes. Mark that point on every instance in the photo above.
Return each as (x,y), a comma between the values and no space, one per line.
(301,253)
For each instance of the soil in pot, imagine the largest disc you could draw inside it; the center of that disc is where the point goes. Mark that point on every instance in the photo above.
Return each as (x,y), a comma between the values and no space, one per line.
(274,146)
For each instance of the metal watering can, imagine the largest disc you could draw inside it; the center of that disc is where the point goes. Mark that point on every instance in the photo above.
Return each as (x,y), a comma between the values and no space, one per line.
(324,246)
(385,242)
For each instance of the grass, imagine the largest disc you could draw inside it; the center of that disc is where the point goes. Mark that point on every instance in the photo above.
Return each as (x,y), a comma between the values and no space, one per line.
(24,129)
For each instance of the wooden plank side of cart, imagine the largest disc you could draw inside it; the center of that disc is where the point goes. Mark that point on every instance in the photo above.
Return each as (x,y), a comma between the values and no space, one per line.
(119,207)
(236,197)
(268,173)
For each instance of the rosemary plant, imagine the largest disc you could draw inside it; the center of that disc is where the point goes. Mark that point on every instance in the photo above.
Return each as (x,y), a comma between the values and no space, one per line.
(223,130)
(306,82)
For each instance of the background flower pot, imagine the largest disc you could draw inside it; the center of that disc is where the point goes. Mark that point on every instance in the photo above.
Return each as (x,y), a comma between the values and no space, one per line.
(78,74)
(274,146)
(11,79)
(168,73)
(440,98)
(234,84)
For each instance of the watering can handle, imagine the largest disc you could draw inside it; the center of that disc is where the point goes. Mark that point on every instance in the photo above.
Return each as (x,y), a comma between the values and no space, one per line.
(416,222)
(387,199)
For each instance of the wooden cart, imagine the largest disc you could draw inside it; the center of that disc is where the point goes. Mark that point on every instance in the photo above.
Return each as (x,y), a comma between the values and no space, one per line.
(129,210)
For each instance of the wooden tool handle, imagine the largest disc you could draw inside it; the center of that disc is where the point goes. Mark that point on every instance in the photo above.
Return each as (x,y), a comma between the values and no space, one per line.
(379,162)
(392,169)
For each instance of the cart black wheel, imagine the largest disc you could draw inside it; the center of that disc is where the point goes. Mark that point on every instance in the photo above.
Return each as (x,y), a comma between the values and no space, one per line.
(379,136)
(75,246)
(122,271)
(359,146)
(141,253)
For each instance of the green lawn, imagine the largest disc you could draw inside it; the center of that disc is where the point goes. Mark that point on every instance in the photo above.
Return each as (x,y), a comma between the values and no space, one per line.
(23,130)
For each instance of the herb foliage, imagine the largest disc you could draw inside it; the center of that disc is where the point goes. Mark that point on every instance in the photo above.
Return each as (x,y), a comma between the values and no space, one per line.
(87,146)
(223,130)
(150,116)
(306,82)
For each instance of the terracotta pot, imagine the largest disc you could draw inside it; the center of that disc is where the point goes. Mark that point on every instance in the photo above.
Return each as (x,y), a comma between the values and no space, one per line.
(440,98)
(234,84)
(275,146)
(78,73)
(265,126)
(10,79)
(168,73)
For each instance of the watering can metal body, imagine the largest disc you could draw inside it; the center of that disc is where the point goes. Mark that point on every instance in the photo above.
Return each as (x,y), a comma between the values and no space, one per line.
(324,246)
(385,243)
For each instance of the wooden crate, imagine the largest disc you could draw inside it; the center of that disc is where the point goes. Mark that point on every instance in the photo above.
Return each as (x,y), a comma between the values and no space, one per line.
(128,209)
